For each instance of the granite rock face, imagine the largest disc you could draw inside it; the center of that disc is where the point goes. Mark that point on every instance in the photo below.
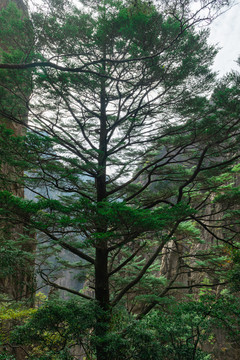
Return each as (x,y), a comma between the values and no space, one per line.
(221,347)
(18,284)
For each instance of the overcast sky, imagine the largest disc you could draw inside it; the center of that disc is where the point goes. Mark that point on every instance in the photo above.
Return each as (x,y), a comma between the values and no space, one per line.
(225,31)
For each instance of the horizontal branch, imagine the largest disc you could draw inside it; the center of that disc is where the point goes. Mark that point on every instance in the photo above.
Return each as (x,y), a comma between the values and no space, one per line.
(57,67)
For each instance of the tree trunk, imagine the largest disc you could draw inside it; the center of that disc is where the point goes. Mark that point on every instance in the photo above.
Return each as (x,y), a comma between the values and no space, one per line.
(102,297)
(101,258)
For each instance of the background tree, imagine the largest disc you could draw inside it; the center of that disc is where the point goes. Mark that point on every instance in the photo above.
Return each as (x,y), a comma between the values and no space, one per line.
(121,126)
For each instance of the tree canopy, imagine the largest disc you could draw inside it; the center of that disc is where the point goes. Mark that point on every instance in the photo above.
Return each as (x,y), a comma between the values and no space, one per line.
(130,151)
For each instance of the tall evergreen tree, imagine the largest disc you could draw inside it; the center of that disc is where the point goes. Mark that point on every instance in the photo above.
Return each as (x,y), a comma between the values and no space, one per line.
(121,126)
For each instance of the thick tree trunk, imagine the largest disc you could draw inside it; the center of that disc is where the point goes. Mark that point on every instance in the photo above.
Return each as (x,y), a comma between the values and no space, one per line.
(102,284)
(101,258)
(102,297)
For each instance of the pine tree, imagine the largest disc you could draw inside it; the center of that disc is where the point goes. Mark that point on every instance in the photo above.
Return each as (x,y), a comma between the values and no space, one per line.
(125,124)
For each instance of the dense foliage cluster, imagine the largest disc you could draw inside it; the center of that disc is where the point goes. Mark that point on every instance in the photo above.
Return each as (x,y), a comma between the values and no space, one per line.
(130,159)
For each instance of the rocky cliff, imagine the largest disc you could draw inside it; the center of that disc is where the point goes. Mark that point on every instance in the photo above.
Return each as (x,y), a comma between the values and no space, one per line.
(17,283)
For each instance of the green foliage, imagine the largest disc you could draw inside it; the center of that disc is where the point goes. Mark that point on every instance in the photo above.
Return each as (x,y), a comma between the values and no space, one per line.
(56,325)
(11,315)
(6,357)
(15,254)
(233,273)
(172,331)
(130,156)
